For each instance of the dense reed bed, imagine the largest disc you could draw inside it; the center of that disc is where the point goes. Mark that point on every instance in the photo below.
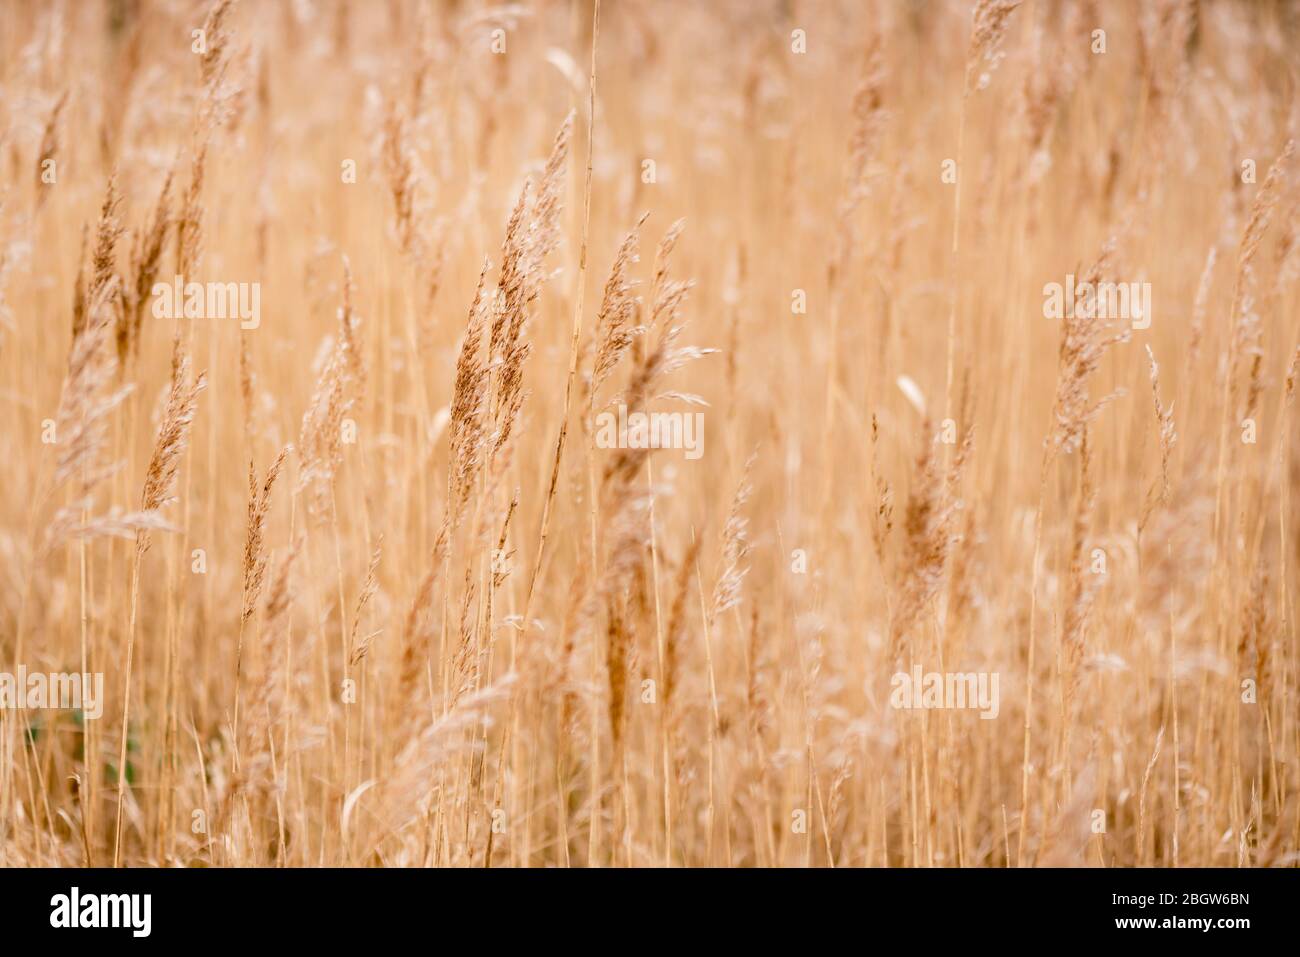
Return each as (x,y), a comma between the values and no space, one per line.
(376,570)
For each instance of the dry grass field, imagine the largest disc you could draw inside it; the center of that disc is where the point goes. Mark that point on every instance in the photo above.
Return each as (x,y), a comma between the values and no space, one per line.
(922,563)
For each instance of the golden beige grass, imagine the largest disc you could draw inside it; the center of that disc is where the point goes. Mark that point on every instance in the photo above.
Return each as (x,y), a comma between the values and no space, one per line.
(368,589)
